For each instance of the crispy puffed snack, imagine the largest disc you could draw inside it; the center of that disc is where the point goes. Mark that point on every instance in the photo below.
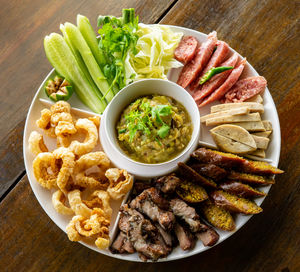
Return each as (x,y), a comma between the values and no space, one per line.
(63,131)
(90,140)
(61,106)
(94,181)
(45,123)
(40,165)
(67,167)
(96,120)
(76,204)
(36,143)
(61,116)
(120,182)
(58,201)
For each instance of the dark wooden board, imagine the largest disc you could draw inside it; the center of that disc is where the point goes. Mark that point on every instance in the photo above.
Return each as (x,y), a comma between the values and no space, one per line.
(23,63)
(266,32)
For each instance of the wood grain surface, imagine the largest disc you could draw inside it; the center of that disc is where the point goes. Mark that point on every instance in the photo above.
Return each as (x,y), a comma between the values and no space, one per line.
(266,32)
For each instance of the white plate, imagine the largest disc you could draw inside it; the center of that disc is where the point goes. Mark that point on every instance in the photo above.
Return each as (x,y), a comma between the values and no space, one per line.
(44,196)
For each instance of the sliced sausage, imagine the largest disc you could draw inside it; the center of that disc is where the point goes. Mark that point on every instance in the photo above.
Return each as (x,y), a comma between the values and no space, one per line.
(210,170)
(234,203)
(192,69)
(186,49)
(245,89)
(229,82)
(216,81)
(217,58)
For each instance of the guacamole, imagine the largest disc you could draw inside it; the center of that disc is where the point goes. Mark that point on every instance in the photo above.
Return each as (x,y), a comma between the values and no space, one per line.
(154,129)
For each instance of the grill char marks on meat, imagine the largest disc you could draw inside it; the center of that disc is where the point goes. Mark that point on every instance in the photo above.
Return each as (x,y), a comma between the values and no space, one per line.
(185,237)
(209,237)
(210,170)
(167,184)
(187,214)
(150,203)
(121,244)
(192,175)
(142,234)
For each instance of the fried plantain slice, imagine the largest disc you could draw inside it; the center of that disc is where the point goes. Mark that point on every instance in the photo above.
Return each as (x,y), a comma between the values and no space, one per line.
(217,216)
(234,203)
(189,173)
(250,178)
(191,192)
(240,189)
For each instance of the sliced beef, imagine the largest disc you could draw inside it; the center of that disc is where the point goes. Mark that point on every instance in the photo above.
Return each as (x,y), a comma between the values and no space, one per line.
(186,49)
(217,58)
(185,238)
(167,184)
(192,69)
(245,89)
(149,202)
(191,175)
(167,236)
(209,237)
(210,170)
(140,186)
(225,87)
(187,214)
(142,234)
(216,81)
(117,245)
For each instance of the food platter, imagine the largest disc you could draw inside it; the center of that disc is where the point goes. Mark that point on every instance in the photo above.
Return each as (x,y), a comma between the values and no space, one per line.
(44,196)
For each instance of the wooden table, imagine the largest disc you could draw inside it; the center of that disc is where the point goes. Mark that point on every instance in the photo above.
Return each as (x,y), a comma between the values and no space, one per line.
(266,32)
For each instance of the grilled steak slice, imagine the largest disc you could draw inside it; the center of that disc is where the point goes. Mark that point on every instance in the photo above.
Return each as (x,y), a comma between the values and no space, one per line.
(142,234)
(185,237)
(187,214)
(167,184)
(117,245)
(168,239)
(210,170)
(140,186)
(190,174)
(209,237)
(149,203)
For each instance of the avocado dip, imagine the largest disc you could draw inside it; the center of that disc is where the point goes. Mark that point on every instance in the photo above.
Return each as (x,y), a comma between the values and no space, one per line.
(154,129)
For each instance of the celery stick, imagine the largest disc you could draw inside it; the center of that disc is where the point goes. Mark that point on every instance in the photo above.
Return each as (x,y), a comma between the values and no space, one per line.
(80,44)
(62,59)
(89,35)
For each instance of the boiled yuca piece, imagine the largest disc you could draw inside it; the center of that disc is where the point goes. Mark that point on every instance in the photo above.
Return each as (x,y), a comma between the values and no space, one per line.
(235,133)
(253,107)
(251,126)
(261,142)
(229,145)
(266,133)
(237,111)
(267,125)
(257,99)
(233,118)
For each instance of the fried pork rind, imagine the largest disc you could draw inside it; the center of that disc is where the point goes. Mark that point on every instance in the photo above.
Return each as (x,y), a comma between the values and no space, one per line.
(41,165)
(61,116)
(61,106)
(63,131)
(76,204)
(90,140)
(100,200)
(58,201)
(96,226)
(36,143)
(67,167)
(96,120)
(120,182)
(45,123)
(94,180)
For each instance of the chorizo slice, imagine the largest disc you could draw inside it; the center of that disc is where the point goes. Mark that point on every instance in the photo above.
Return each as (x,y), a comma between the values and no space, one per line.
(186,49)
(234,203)
(190,174)
(217,216)
(192,69)
(217,58)
(240,189)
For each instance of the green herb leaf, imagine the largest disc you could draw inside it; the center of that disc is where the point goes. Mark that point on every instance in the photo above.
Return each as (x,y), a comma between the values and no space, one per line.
(163,131)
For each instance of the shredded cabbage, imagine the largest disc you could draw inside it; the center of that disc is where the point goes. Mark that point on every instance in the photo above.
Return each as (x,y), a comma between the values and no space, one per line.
(155,53)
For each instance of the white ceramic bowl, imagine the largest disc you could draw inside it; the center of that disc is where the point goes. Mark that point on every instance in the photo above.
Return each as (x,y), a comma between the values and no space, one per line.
(124,98)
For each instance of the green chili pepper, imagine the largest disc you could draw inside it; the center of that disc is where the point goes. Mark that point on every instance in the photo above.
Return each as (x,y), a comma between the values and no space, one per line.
(213,71)
(58,89)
